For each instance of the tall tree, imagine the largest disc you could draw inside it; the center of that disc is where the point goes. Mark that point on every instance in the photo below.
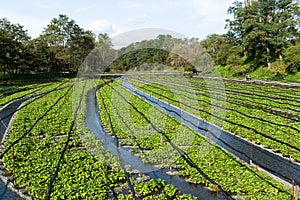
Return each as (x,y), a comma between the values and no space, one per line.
(264,27)
(12,40)
(68,44)
(292,58)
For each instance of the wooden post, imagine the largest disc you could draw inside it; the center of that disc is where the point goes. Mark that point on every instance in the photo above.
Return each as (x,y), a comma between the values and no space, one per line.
(293,190)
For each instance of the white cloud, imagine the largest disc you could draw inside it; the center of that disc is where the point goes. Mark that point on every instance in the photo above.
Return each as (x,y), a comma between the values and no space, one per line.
(83,10)
(137,19)
(103,26)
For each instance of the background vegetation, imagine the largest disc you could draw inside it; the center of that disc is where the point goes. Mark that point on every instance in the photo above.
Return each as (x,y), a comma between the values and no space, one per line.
(263,40)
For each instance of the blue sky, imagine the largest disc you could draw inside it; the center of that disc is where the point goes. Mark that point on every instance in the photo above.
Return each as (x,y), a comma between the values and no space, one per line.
(192,18)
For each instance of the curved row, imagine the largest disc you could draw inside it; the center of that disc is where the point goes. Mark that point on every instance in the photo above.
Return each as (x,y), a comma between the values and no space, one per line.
(185,168)
(249,127)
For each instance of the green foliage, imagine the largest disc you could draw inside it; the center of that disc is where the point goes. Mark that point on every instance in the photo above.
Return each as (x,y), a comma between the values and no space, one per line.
(239,70)
(235,57)
(85,176)
(278,68)
(293,77)
(292,58)
(231,174)
(13,52)
(147,188)
(32,161)
(68,44)
(262,73)
(253,111)
(162,53)
(219,47)
(264,28)
(156,189)
(140,57)
(220,71)
(62,47)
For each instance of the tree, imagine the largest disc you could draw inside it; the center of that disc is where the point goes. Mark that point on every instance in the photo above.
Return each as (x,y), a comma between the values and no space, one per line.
(218,46)
(12,40)
(292,58)
(264,27)
(68,44)
(102,57)
(41,55)
(235,57)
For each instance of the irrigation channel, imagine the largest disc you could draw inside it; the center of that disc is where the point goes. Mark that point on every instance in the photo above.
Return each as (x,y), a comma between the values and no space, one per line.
(94,125)
(6,116)
(264,158)
(251,153)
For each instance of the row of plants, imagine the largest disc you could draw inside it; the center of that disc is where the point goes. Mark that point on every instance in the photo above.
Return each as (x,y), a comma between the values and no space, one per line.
(10,94)
(143,138)
(282,98)
(156,189)
(204,82)
(232,175)
(6,90)
(241,117)
(266,90)
(33,160)
(230,101)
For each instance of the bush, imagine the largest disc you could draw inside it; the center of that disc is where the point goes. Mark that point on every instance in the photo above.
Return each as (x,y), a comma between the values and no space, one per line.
(278,68)
(240,70)
(292,58)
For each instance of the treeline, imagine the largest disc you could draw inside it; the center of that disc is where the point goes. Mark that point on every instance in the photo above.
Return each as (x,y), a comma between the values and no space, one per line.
(64,45)
(60,48)
(262,33)
(162,53)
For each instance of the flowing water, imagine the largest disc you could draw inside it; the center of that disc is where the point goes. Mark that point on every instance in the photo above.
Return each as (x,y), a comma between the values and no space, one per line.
(94,125)
(243,149)
(6,193)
